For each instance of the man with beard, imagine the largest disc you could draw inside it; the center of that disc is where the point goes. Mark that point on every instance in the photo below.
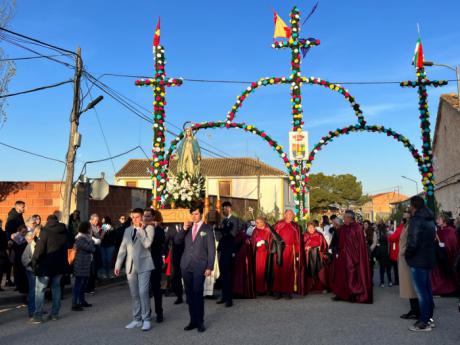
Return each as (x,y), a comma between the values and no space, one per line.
(352,277)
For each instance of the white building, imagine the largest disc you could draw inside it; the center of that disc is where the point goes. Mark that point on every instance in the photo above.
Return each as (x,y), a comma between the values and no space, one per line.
(243,178)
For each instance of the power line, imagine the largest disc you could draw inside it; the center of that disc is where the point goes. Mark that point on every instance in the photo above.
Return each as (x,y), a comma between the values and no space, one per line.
(32,57)
(36,89)
(32,153)
(38,41)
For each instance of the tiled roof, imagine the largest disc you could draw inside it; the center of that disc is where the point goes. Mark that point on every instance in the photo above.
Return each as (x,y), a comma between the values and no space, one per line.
(451,98)
(245,166)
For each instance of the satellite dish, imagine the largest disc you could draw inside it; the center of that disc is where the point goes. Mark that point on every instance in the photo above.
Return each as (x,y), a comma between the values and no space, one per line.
(99,188)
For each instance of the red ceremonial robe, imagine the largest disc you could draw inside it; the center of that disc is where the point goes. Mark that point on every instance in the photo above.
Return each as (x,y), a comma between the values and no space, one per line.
(243,283)
(314,276)
(286,276)
(352,276)
(260,241)
(442,283)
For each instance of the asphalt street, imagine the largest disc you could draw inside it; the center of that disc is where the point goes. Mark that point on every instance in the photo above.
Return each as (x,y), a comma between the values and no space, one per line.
(314,319)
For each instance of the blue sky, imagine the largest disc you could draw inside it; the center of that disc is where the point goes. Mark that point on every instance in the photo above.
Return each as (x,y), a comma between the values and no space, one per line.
(231,40)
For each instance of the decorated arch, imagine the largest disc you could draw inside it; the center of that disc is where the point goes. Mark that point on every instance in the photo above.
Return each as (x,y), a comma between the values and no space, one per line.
(297,170)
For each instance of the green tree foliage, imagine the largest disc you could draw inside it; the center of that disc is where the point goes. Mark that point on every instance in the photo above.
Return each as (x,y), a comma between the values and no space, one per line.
(342,190)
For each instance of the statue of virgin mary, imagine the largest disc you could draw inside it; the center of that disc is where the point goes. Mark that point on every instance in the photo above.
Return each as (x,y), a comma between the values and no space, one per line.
(189,154)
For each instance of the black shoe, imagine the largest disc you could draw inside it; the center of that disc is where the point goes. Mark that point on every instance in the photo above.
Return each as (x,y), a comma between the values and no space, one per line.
(409,316)
(228,304)
(160,318)
(9,283)
(189,327)
(76,307)
(221,301)
(288,296)
(201,328)
(277,296)
(335,298)
(179,301)
(86,304)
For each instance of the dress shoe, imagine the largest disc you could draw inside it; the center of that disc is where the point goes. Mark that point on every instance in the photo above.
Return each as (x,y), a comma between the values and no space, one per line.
(134,324)
(86,304)
(160,318)
(76,307)
(277,296)
(221,301)
(179,301)
(228,304)
(201,328)
(288,296)
(189,327)
(335,298)
(146,326)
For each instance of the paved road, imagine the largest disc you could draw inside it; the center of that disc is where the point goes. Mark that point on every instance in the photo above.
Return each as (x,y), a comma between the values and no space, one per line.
(314,319)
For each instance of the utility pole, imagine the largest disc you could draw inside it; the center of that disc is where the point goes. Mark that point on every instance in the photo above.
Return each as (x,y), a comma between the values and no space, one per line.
(74,138)
(258,185)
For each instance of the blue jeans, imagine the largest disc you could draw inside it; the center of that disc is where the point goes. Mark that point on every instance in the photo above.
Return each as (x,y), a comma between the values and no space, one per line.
(41,284)
(78,291)
(31,296)
(107,255)
(422,285)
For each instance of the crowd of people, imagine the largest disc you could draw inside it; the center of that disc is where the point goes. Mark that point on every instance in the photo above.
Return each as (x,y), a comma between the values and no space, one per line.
(219,251)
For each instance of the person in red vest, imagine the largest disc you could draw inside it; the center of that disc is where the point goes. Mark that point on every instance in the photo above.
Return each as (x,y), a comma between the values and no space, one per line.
(442,276)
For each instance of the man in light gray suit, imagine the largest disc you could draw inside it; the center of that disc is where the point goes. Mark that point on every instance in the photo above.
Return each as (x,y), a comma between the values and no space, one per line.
(135,247)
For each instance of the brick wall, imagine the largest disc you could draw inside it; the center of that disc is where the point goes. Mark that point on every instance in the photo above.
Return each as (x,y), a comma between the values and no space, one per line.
(41,198)
(120,201)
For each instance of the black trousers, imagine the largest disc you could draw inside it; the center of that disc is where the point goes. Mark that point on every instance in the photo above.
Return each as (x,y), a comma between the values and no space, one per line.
(176,281)
(194,286)
(385,266)
(226,273)
(155,286)
(394,266)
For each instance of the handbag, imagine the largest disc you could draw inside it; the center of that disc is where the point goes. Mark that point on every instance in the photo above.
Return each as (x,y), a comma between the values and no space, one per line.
(71,255)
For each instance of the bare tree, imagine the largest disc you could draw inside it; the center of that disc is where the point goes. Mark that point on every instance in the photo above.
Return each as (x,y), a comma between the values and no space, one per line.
(7,68)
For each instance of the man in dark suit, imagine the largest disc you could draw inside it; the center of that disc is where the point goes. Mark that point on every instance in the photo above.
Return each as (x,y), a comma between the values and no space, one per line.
(226,249)
(197,263)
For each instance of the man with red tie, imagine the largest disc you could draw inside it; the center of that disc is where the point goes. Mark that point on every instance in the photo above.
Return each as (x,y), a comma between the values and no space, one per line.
(196,264)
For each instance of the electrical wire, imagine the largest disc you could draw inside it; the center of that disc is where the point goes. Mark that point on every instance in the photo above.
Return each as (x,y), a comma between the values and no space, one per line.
(32,153)
(32,57)
(37,89)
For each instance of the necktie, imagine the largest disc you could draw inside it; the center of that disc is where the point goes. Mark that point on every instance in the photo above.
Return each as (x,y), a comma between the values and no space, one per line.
(195,230)
(133,236)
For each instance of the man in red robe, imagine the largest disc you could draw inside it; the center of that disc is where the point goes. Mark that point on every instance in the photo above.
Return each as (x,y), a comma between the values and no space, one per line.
(314,275)
(286,275)
(260,241)
(442,276)
(352,278)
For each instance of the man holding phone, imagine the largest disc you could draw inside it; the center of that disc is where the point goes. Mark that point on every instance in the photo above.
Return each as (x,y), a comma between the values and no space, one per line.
(197,263)
(135,247)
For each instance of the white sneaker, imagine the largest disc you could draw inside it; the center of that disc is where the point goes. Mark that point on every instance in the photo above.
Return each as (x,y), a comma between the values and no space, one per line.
(134,324)
(146,326)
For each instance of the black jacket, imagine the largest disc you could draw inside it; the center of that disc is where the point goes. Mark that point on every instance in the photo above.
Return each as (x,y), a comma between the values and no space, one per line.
(50,256)
(420,248)
(13,222)
(157,247)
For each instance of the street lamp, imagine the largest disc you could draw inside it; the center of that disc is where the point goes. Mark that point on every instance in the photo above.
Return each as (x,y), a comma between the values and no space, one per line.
(456,69)
(416,183)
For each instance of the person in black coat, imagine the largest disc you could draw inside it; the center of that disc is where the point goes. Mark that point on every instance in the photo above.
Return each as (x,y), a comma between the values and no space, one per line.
(4,259)
(156,249)
(197,263)
(421,257)
(15,218)
(50,264)
(174,251)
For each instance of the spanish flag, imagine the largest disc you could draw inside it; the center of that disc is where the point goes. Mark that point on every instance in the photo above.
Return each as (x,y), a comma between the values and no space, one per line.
(156,37)
(281,29)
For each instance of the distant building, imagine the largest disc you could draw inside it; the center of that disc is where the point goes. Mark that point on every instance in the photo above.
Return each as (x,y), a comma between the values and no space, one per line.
(380,206)
(242,178)
(446,152)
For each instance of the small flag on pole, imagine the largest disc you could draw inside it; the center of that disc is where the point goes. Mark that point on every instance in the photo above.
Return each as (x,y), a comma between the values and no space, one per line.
(417,60)
(281,29)
(156,36)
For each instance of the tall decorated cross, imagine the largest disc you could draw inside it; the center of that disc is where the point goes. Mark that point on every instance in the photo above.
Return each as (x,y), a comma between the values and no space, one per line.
(427,151)
(297,46)
(159,85)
